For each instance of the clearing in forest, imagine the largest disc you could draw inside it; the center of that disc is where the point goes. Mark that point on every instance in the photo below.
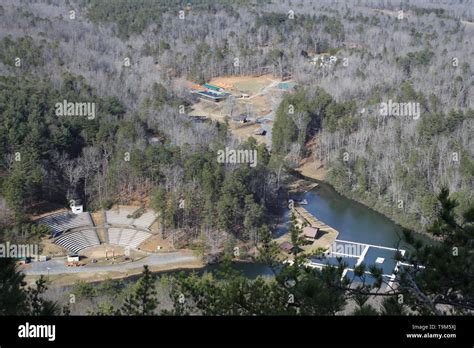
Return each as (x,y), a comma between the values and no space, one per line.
(262,96)
(250,85)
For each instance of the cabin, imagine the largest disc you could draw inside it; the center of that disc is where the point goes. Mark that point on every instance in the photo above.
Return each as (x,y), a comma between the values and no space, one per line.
(240,119)
(319,59)
(287,247)
(197,119)
(76,206)
(211,95)
(310,233)
(260,131)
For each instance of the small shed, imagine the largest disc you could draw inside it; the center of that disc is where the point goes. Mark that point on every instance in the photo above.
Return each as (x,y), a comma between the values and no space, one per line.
(310,233)
(197,119)
(286,247)
(76,206)
(240,119)
(260,131)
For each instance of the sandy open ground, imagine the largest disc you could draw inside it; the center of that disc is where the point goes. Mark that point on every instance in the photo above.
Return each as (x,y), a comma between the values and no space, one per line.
(313,169)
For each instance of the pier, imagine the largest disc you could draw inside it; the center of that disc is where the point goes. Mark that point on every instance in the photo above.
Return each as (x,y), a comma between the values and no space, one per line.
(330,233)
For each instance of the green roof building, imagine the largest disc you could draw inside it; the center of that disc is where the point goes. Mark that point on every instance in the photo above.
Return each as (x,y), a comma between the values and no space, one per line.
(214,88)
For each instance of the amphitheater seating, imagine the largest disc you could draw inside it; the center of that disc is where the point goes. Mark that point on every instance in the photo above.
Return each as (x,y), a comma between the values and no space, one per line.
(127,237)
(119,216)
(114,235)
(139,238)
(76,241)
(145,220)
(64,221)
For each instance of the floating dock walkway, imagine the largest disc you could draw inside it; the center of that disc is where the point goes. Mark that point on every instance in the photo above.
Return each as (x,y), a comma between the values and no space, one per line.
(330,235)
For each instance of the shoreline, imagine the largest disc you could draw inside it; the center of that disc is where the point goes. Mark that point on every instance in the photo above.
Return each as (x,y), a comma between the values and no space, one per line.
(298,176)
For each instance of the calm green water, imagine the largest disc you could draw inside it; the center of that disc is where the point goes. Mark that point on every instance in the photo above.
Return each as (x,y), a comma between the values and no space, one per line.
(354,221)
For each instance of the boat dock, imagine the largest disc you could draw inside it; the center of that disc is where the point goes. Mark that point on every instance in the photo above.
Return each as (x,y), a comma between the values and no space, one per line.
(330,233)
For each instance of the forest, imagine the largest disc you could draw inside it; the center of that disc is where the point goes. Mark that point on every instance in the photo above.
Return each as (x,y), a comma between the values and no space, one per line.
(133,59)
(422,57)
(108,162)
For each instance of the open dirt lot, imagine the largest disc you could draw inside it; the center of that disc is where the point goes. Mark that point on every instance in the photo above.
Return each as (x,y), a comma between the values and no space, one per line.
(263,94)
(152,243)
(247,130)
(313,169)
